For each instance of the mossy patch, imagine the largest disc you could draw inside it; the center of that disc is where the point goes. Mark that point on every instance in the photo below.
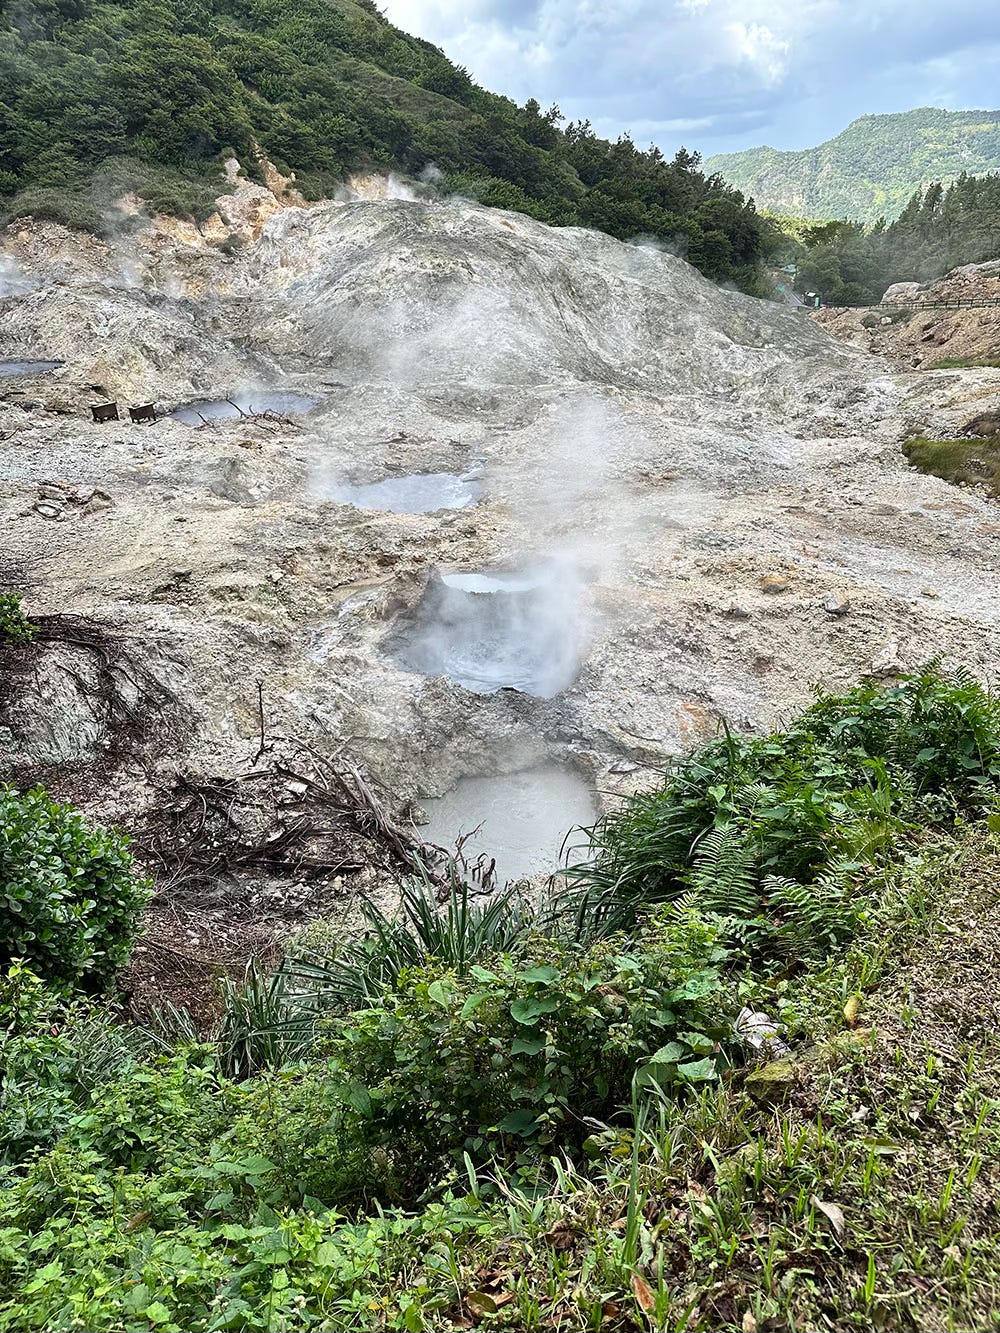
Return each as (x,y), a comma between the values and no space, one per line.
(972,462)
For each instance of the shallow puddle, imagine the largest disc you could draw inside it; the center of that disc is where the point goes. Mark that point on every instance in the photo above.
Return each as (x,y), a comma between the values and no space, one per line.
(525,818)
(421,493)
(491,632)
(283,402)
(11,368)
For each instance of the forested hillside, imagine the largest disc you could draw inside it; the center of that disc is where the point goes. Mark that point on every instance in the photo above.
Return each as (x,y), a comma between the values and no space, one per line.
(870,170)
(850,264)
(323,87)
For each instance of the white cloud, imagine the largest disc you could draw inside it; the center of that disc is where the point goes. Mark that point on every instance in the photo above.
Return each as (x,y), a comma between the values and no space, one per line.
(730,72)
(758,46)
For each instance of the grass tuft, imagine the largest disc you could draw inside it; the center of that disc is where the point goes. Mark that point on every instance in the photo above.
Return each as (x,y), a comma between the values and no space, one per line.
(969,462)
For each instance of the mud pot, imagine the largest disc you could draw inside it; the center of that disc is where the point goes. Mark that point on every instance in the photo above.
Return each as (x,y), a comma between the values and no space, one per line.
(10,369)
(420,494)
(245,403)
(497,631)
(512,826)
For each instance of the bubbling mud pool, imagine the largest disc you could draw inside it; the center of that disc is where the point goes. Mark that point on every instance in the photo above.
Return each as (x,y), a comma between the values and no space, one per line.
(247,402)
(489,632)
(420,493)
(525,820)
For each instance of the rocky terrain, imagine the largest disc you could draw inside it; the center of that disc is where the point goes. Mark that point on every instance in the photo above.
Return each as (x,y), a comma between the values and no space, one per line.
(695,502)
(921,339)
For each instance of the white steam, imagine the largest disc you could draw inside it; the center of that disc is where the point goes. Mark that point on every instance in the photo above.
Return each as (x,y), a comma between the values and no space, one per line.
(13,279)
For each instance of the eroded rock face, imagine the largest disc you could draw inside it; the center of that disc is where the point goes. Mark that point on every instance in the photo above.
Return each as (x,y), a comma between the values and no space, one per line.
(411,292)
(690,452)
(921,338)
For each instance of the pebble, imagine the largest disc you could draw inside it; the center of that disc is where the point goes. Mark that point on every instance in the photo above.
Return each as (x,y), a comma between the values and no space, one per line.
(928,592)
(737,612)
(774,583)
(836,603)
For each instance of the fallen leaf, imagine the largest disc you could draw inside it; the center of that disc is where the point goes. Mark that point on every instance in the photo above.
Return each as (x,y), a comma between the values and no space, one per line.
(480,1303)
(832,1213)
(749,1323)
(561,1236)
(643,1294)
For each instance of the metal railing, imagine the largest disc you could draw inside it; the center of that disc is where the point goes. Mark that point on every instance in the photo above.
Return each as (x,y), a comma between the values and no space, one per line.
(982,304)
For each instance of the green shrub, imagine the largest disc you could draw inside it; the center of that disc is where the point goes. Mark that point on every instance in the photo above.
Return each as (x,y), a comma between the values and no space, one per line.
(53,1057)
(965,363)
(461,934)
(69,897)
(15,627)
(770,835)
(534,1047)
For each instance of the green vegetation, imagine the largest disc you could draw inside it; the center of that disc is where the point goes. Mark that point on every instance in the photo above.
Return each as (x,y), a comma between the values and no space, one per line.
(871,169)
(770,838)
(548,1121)
(849,263)
(15,627)
(974,462)
(70,897)
(152,97)
(965,363)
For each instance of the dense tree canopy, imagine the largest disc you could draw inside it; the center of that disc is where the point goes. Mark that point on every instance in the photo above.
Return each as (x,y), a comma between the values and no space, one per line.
(850,264)
(324,87)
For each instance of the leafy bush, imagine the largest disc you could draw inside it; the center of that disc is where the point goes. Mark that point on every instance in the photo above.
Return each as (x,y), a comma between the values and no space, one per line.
(53,1056)
(770,835)
(534,1047)
(69,897)
(461,934)
(15,627)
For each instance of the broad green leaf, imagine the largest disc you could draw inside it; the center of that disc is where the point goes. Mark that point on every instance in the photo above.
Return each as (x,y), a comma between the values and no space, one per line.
(526,1011)
(521,1121)
(527,1045)
(473,1003)
(669,1054)
(697,1071)
(545,973)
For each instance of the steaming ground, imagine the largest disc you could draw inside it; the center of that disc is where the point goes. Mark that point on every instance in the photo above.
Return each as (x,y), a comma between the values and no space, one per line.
(686,477)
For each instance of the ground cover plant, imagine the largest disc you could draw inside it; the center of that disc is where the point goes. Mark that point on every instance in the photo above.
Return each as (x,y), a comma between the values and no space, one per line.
(15,626)
(544,1117)
(970,462)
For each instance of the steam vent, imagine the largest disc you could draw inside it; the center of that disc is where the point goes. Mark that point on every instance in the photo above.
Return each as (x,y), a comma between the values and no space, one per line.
(490,632)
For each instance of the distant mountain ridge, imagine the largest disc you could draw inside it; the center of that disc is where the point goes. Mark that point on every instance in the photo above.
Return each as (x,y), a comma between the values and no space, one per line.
(869,170)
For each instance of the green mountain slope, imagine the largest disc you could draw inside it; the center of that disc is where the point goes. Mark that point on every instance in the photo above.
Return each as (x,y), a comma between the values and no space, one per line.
(871,169)
(96,94)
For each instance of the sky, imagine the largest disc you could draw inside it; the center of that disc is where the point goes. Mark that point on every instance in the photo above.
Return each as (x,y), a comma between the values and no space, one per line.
(721,75)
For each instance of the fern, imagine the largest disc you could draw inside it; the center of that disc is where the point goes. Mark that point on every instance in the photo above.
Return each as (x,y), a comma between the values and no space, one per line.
(810,919)
(724,874)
